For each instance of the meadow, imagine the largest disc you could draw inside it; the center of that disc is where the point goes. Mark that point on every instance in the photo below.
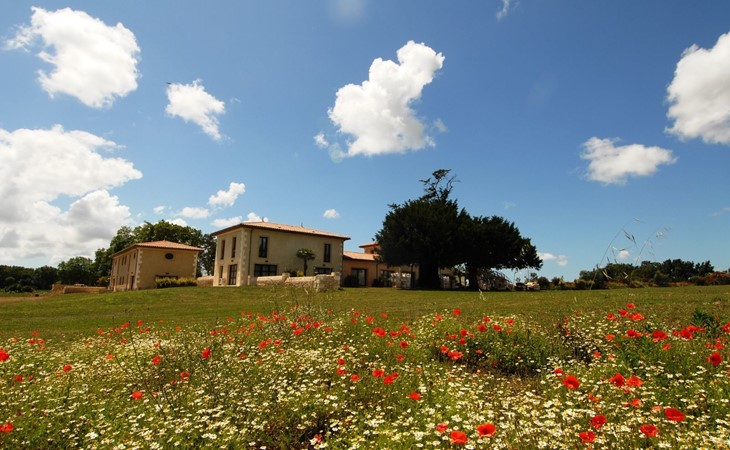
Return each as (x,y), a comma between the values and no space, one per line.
(275,368)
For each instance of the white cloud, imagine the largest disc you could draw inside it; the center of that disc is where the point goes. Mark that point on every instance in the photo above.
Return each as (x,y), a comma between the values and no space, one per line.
(378,112)
(440,126)
(623,254)
(194,212)
(321,141)
(178,221)
(560,260)
(504,10)
(191,103)
(613,164)
(93,62)
(227,198)
(347,11)
(225,223)
(699,94)
(331,214)
(253,217)
(39,166)
(159,209)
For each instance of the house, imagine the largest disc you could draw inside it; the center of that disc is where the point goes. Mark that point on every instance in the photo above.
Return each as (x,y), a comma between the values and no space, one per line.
(137,266)
(368,270)
(250,250)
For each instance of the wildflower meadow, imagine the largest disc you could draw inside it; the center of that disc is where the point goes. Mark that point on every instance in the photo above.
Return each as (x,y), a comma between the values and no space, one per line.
(307,376)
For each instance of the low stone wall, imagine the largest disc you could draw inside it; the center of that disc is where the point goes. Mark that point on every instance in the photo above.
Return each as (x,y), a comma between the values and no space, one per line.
(76,289)
(320,283)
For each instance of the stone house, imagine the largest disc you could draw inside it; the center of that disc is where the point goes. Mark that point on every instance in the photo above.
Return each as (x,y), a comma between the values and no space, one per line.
(137,266)
(249,250)
(367,268)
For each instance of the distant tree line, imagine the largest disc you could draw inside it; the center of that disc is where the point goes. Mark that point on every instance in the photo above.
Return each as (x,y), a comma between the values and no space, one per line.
(653,274)
(95,272)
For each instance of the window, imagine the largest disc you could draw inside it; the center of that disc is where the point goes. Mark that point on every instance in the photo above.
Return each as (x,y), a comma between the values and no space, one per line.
(264,270)
(322,270)
(327,252)
(232,272)
(233,248)
(169,256)
(362,276)
(263,247)
(223,248)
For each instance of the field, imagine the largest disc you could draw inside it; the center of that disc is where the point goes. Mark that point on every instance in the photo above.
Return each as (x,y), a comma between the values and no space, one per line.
(280,368)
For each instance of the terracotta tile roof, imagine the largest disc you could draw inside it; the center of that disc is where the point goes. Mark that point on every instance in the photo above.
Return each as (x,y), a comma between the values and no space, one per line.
(162,245)
(359,256)
(282,227)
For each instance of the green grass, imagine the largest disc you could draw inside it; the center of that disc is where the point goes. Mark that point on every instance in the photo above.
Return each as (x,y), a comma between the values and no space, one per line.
(281,368)
(69,316)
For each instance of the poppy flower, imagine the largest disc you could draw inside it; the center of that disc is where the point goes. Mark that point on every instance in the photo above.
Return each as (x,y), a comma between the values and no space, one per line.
(4,356)
(354,378)
(377,373)
(442,427)
(206,353)
(136,395)
(674,414)
(649,430)
(486,429)
(459,437)
(617,380)
(156,360)
(67,368)
(610,337)
(400,357)
(6,427)
(415,396)
(587,436)
(341,371)
(184,375)
(403,344)
(622,312)
(388,379)
(598,421)
(457,312)
(571,382)
(634,381)
(715,358)
(559,372)
(631,306)
(659,335)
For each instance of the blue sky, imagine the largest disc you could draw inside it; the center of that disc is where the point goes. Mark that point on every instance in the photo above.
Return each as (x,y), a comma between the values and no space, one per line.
(583,122)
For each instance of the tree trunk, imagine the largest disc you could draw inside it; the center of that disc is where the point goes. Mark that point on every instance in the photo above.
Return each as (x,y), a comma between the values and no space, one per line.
(428,275)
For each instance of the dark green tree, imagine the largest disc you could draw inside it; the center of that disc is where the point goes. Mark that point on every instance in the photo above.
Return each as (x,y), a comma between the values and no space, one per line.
(423,231)
(77,270)
(44,277)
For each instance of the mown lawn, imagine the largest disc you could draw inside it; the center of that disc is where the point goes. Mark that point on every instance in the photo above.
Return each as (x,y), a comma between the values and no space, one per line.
(279,368)
(69,316)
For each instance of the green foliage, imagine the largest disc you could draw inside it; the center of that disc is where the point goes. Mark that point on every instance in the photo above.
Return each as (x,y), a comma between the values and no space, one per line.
(168,282)
(78,270)
(433,232)
(306,254)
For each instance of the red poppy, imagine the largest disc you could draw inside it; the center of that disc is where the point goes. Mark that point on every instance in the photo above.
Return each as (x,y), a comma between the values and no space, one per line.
(4,356)
(354,378)
(497,328)
(617,380)
(634,381)
(559,372)
(623,312)
(571,382)
(389,379)
(400,357)
(633,333)
(674,414)
(649,430)
(459,437)
(715,358)
(457,312)
(184,375)
(610,337)
(298,331)
(136,395)
(631,306)
(441,427)
(611,316)
(659,335)
(67,368)
(598,421)
(377,373)
(18,378)
(482,328)
(206,353)
(156,360)
(486,429)
(341,371)
(415,396)
(587,436)
(6,427)
(403,344)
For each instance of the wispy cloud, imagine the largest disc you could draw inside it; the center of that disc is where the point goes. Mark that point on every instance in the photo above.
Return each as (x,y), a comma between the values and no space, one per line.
(504,10)
(560,260)
(331,214)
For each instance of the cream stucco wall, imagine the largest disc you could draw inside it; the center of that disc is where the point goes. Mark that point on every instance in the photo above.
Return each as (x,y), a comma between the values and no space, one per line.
(282,249)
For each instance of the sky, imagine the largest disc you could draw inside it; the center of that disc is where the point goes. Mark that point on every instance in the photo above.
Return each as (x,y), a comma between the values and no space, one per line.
(601,129)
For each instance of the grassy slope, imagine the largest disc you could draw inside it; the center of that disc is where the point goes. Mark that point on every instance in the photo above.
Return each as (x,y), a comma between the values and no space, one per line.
(70,316)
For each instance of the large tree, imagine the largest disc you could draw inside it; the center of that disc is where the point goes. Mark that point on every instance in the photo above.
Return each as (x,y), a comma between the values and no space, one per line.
(423,231)
(434,233)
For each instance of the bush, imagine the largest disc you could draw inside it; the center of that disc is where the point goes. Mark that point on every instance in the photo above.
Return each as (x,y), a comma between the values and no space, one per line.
(350,281)
(162,283)
(18,288)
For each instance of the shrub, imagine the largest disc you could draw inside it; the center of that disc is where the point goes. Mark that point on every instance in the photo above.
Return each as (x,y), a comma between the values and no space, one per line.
(167,282)
(350,281)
